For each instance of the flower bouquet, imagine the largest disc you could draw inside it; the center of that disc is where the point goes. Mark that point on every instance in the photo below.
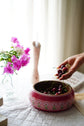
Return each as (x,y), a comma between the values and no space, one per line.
(13,60)
(16,58)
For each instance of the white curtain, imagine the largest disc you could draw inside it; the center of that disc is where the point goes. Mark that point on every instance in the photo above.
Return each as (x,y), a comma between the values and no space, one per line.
(16,17)
(61,29)
(57,24)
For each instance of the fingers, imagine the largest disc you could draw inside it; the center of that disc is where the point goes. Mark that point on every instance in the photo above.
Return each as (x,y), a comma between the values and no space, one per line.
(72,69)
(67,75)
(64,63)
(70,72)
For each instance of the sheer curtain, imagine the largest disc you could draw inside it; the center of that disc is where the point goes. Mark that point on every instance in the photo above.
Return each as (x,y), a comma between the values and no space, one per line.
(61,29)
(72,28)
(16,17)
(57,24)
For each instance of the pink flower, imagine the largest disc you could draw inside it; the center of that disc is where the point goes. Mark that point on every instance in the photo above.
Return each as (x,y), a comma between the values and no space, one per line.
(19,46)
(14,40)
(9,68)
(13,58)
(27,50)
(24,60)
(16,63)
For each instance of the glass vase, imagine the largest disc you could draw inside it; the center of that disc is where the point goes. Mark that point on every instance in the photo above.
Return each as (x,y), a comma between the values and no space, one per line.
(7,86)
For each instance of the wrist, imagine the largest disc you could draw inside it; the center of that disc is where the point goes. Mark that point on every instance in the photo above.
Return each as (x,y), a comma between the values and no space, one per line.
(82,57)
(82,54)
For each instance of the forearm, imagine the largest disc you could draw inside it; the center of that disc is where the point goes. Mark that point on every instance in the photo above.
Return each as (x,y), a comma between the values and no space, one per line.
(81,55)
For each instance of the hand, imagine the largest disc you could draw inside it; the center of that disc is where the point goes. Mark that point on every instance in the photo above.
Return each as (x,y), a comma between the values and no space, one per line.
(75,62)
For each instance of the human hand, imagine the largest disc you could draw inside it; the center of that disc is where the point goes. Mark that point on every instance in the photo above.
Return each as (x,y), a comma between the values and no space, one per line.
(75,62)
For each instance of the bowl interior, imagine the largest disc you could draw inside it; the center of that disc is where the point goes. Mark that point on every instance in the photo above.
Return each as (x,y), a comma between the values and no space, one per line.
(48,85)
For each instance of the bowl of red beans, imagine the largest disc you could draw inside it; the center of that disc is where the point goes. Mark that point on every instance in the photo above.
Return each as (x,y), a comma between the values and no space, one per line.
(52,96)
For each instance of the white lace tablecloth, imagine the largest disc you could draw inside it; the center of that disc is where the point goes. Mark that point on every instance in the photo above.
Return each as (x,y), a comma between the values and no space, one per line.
(20,112)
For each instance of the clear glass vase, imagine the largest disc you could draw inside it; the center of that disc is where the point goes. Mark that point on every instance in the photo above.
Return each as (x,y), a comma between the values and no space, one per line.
(7,87)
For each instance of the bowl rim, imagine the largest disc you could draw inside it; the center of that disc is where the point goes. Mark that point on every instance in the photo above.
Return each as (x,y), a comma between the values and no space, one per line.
(49,95)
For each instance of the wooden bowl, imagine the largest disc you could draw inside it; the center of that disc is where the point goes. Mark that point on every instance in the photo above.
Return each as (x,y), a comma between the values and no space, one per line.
(48,102)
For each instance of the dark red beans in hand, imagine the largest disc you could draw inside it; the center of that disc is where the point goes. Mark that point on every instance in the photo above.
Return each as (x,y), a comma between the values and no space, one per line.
(60,74)
(59,71)
(62,70)
(65,69)
(62,66)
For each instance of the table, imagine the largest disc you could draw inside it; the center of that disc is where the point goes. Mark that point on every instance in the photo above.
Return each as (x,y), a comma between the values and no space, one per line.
(19,111)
